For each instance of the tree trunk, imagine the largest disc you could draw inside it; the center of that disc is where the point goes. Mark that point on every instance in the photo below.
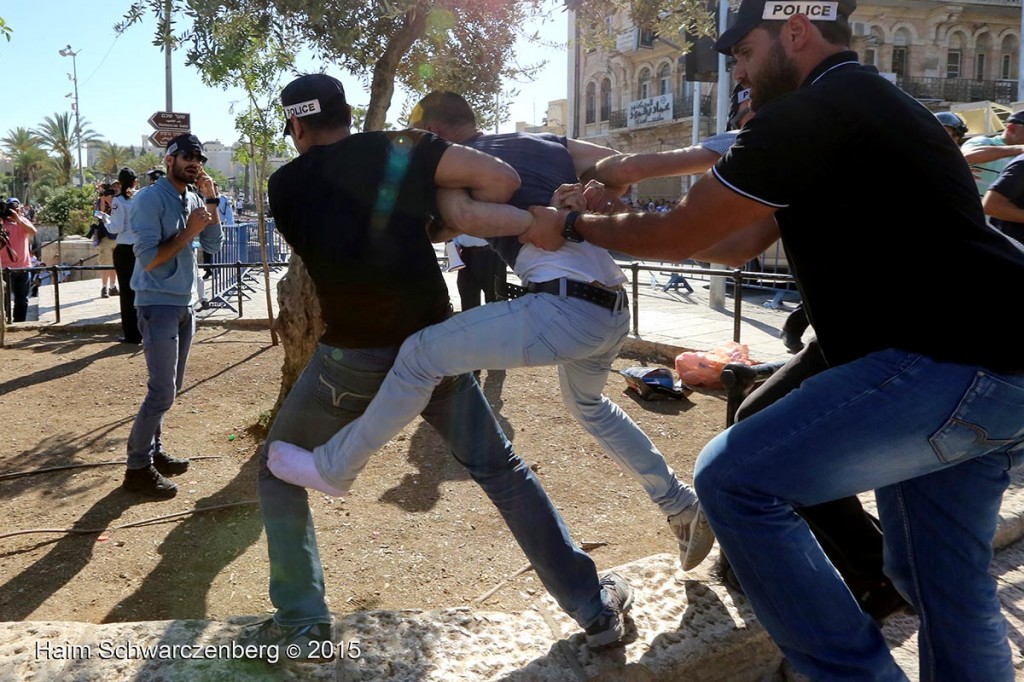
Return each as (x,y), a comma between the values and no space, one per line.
(382,86)
(298,322)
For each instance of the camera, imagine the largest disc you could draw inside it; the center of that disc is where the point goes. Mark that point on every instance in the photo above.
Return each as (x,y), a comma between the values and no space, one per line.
(6,211)
(5,238)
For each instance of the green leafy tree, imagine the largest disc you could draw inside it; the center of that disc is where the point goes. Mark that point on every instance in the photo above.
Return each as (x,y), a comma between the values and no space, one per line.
(28,158)
(60,137)
(70,209)
(5,30)
(111,158)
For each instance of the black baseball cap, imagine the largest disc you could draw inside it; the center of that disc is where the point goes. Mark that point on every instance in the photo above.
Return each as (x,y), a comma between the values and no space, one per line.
(309,95)
(186,143)
(127,176)
(155,173)
(753,12)
(1017,118)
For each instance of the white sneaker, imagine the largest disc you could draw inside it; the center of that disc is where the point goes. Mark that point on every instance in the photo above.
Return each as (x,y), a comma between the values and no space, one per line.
(695,536)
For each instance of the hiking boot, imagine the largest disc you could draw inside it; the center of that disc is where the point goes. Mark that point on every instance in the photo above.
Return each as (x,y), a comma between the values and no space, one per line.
(114,291)
(103,293)
(695,536)
(169,466)
(608,629)
(148,481)
(310,643)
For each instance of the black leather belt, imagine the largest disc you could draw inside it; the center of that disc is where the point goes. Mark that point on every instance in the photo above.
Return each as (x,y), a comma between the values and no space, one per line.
(612,299)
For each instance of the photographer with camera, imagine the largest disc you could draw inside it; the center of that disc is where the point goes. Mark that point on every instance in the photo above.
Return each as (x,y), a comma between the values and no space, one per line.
(103,238)
(16,234)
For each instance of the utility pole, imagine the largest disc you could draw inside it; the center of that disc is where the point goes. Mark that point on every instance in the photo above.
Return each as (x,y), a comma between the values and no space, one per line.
(68,52)
(167,56)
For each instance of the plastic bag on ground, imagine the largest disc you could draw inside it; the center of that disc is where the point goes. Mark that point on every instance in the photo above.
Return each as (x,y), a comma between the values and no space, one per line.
(704,368)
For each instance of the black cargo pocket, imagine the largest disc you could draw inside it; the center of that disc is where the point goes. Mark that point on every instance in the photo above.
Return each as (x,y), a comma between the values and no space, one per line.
(344,391)
(989,418)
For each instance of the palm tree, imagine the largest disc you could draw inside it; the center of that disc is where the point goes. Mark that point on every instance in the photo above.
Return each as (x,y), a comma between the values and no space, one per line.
(111,157)
(59,136)
(26,154)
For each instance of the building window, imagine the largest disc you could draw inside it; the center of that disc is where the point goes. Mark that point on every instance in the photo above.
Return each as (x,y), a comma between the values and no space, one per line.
(899,61)
(664,79)
(644,81)
(1006,67)
(647,37)
(871,56)
(979,67)
(953,58)
(590,106)
(606,99)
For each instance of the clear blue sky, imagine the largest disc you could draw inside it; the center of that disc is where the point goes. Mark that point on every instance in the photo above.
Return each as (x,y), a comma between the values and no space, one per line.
(121,79)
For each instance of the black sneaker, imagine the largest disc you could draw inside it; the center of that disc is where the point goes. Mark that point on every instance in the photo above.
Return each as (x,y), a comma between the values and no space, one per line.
(608,629)
(309,643)
(148,481)
(169,466)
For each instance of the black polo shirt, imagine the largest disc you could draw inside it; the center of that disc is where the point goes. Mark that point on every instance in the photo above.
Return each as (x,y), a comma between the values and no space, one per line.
(1010,184)
(356,213)
(881,221)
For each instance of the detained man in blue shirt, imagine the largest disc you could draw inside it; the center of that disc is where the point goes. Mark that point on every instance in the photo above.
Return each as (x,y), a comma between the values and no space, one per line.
(166,218)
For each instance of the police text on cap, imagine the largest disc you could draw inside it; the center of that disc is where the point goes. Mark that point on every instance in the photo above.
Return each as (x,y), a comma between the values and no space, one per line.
(742,96)
(815,11)
(302,109)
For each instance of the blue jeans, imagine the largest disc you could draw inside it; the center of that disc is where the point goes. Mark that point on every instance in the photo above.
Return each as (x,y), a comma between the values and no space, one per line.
(334,389)
(534,330)
(936,442)
(167,332)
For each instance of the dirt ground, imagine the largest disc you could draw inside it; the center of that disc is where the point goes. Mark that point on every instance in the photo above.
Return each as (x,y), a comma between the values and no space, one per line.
(414,533)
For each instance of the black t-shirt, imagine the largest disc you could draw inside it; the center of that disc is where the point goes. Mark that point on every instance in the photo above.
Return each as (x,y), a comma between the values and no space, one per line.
(1010,184)
(356,212)
(877,208)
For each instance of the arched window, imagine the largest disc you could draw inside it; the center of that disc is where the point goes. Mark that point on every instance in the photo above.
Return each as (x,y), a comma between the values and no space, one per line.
(606,99)
(1009,50)
(901,52)
(955,55)
(984,47)
(664,79)
(644,82)
(591,103)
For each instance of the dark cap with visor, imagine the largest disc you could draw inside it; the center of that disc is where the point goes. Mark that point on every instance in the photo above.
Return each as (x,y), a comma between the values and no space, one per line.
(310,95)
(753,12)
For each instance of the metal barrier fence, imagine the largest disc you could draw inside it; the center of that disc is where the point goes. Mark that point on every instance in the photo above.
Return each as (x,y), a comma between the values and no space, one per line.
(235,275)
(241,254)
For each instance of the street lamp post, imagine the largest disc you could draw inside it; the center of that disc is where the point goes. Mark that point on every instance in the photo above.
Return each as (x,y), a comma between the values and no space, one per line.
(68,52)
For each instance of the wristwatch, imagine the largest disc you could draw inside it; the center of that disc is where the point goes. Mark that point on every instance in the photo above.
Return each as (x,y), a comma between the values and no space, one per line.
(569,232)
(210,201)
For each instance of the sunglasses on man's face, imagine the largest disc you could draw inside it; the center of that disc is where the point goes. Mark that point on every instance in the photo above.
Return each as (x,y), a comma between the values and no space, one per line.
(192,156)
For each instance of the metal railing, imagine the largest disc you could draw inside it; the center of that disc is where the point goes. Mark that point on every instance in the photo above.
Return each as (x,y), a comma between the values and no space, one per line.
(958,89)
(739,279)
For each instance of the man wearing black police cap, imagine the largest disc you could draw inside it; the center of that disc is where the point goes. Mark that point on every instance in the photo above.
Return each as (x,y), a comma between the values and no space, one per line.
(921,406)
(355,208)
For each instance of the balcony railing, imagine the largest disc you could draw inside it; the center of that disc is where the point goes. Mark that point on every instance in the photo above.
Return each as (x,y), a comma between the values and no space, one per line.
(959,89)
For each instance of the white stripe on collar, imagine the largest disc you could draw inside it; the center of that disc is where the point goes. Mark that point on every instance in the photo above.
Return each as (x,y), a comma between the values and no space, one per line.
(854,61)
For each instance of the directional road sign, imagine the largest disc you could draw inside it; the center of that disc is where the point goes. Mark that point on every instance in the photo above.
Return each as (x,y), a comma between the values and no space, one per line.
(161,137)
(169,120)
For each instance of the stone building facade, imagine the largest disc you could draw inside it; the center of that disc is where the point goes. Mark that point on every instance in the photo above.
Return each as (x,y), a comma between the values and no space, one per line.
(634,96)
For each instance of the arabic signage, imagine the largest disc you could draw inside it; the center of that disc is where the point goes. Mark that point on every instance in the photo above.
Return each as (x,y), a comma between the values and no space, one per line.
(644,112)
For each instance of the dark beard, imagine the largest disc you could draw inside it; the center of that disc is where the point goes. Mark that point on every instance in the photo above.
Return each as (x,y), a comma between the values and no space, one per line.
(779,77)
(179,174)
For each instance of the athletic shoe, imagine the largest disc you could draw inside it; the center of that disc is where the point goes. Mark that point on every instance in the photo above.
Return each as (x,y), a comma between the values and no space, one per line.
(308,643)
(608,629)
(114,291)
(103,293)
(169,466)
(695,536)
(148,481)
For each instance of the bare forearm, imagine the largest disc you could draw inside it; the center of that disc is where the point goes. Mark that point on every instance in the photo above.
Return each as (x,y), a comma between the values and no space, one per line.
(1000,207)
(626,169)
(479,218)
(992,153)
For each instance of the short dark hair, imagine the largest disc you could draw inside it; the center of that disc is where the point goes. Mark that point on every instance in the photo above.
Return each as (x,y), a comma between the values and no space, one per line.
(443,106)
(836,32)
(335,114)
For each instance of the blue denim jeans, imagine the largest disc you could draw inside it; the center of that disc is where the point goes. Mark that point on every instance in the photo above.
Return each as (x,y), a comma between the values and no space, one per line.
(334,389)
(534,330)
(936,442)
(167,332)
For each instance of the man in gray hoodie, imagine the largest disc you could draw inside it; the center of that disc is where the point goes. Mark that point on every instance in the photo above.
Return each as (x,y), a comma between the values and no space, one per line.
(166,218)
